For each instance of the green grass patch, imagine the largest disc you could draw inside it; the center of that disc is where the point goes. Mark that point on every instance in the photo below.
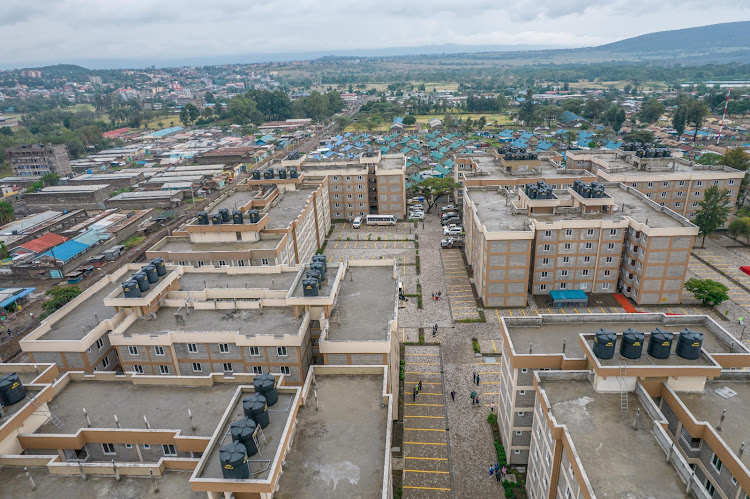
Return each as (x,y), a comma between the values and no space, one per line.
(133,241)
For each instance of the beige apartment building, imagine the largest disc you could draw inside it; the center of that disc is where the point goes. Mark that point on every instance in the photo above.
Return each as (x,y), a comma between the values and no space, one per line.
(573,408)
(35,160)
(675,183)
(621,242)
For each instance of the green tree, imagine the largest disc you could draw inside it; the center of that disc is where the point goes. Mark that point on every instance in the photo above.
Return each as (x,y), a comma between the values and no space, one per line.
(739,227)
(4,251)
(650,111)
(696,113)
(6,212)
(713,212)
(7,131)
(711,293)
(50,179)
(435,188)
(736,157)
(188,114)
(528,110)
(481,122)
(60,296)
(642,136)
(409,120)
(614,117)
(679,121)
(209,97)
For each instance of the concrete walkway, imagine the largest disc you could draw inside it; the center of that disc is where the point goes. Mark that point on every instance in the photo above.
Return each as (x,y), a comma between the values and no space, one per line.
(460,295)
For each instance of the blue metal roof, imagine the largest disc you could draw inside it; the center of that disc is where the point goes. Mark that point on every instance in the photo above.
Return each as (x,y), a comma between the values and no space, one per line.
(17,296)
(66,251)
(567,295)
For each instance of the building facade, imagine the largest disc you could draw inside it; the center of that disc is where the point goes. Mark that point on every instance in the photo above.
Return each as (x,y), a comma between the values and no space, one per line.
(35,160)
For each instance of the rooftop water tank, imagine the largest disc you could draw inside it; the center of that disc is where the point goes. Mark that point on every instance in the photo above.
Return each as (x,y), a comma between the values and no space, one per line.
(314,274)
(237,217)
(142,281)
(253,216)
(161,267)
(151,273)
(320,267)
(256,408)
(320,259)
(243,431)
(130,289)
(268,173)
(216,219)
(604,344)
(282,173)
(256,174)
(631,345)
(224,215)
(689,344)
(265,384)
(293,173)
(233,459)
(202,218)
(11,389)
(660,344)
(310,287)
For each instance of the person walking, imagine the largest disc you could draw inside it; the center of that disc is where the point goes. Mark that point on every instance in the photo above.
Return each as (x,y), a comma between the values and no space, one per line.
(497,472)
(492,407)
(414,394)
(420,384)
(492,470)
(477,399)
(477,380)
(475,377)
(453,395)
(473,397)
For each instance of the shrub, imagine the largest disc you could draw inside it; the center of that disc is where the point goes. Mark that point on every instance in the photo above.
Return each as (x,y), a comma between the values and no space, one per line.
(492,418)
(475,343)
(60,296)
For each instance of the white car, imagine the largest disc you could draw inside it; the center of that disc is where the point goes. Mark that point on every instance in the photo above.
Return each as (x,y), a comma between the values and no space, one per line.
(416,216)
(454,231)
(448,207)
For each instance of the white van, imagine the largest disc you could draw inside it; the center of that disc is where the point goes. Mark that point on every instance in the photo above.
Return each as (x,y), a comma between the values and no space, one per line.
(357,223)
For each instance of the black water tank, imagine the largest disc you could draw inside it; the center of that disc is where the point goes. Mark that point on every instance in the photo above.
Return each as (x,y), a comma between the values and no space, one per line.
(265,384)
(237,217)
(224,215)
(216,219)
(320,267)
(314,274)
(11,389)
(689,344)
(151,273)
(202,218)
(256,408)
(142,281)
(233,458)
(631,345)
(282,174)
(320,259)
(161,267)
(310,287)
(293,173)
(130,289)
(253,216)
(604,344)
(243,431)
(660,344)
(256,174)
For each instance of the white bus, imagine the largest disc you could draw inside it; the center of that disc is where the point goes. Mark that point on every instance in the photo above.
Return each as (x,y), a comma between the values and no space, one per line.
(381,220)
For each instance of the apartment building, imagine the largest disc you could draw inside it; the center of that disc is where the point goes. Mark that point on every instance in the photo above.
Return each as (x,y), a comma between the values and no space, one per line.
(282,223)
(124,429)
(675,183)
(35,160)
(621,241)
(571,415)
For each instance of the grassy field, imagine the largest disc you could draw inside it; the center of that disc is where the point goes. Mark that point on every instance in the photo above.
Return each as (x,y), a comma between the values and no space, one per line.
(500,119)
(164,120)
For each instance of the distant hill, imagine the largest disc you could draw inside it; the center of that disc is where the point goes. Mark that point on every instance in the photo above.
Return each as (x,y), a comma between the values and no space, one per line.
(715,37)
(59,70)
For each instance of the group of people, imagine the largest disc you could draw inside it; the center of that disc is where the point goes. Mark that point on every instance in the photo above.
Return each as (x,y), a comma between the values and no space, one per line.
(417,387)
(436,296)
(498,472)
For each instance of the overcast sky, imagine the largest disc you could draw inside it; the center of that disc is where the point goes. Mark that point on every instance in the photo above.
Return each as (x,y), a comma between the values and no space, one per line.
(149,32)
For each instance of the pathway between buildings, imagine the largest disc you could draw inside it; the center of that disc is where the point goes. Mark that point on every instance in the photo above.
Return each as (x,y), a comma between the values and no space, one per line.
(460,295)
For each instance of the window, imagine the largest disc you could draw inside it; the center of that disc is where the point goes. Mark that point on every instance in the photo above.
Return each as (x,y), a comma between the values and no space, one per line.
(264,261)
(584,285)
(586,259)
(605,285)
(545,261)
(682,182)
(542,287)
(544,275)
(567,493)
(567,246)
(734,481)
(547,233)
(699,183)
(522,392)
(546,247)
(607,273)
(223,347)
(696,194)
(650,184)
(519,432)
(158,350)
(568,232)
(524,370)
(589,246)
(281,351)
(241,263)
(731,181)
(563,285)
(649,195)
(200,263)
(663,194)
(717,462)
(677,204)
(695,204)
(257,370)
(128,446)
(254,351)
(181,263)
(608,259)
(164,369)
(611,246)
(227,367)
(137,369)
(222,263)
(516,451)
(590,232)
(585,272)
(197,367)
(710,488)
(665,183)
(105,362)
(285,370)
(133,350)
(521,413)
(108,448)
(566,259)
(193,347)
(169,450)
(612,232)
(680,194)
(634,184)
(99,343)
(147,446)
(563,273)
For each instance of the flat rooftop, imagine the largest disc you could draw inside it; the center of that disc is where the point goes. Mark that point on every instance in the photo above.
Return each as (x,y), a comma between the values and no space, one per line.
(635,207)
(288,208)
(16,484)
(391,163)
(234,201)
(489,167)
(364,305)
(495,211)
(326,287)
(618,460)
(143,195)
(259,469)
(183,244)
(198,281)
(269,320)
(339,447)
(547,338)
(671,165)
(165,407)
(707,406)
(83,317)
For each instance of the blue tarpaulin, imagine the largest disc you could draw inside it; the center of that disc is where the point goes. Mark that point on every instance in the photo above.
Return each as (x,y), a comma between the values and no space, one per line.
(568,298)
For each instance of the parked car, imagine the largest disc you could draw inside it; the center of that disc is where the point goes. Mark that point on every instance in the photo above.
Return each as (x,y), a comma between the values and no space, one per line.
(446,228)
(449,214)
(451,243)
(416,216)
(448,207)
(450,220)
(357,223)
(454,231)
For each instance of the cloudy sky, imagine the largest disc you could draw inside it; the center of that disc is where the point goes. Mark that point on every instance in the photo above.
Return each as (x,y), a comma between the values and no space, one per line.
(108,32)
